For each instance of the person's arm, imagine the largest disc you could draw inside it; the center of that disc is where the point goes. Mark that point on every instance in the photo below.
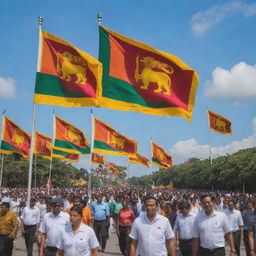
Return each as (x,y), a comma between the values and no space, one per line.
(251,243)
(117,224)
(177,237)
(42,244)
(133,247)
(170,247)
(195,246)
(241,233)
(60,252)
(229,237)
(94,252)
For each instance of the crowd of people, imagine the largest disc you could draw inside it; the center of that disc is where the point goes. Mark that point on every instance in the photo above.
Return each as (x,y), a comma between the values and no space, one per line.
(150,222)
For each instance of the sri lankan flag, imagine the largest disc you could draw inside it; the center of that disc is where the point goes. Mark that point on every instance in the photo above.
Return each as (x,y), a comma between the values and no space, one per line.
(98,159)
(113,168)
(65,156)
(67,76)
(140,78)
(14,139)
(109,141)
(139,159)
(42,146)
(219,123)
(160,157)
(69,138)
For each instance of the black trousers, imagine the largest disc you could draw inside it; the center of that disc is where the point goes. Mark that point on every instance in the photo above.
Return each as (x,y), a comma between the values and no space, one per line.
(186,247)
(29,238)
(124,240)
(6,245)
(100,228)
(207,252)
(246,243)
(236,236)
(50,251)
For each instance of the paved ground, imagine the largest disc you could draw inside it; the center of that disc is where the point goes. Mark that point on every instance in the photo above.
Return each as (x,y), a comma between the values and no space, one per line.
(111,250)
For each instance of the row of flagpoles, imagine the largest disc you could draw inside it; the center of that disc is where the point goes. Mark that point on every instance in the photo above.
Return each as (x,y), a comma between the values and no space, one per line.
(129,75)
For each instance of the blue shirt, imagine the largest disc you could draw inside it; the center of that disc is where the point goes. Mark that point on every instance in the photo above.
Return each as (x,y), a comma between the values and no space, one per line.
(252,227)
(100,211)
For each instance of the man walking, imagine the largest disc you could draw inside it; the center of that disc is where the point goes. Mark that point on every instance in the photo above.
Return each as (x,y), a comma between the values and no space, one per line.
(209,231)
(236,221)
(51,227)
(183,228)
(30,219)
(8,229)
(152,233)
(100,212)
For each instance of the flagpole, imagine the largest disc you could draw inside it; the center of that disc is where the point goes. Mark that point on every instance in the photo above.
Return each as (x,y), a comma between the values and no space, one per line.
(35,167)
(128,170)
(40,22)
(2,158)
(53,141)
(210,147)
(99,18)
(91,164)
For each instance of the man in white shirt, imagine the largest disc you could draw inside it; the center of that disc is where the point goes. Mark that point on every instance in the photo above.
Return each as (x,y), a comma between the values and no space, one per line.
(237,224)
(152,233)
(51,227)
(210,229)
(183,228)
(30,219)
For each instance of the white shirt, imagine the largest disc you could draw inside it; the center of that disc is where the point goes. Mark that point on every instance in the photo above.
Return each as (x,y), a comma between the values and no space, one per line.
(52,226)
(152,236)
(14,206)
(235,218)
(30,216)
(79,244)
(195,210)
(211,229)
(185,224)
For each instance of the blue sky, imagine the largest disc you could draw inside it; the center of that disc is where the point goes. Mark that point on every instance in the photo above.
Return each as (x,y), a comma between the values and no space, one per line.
(217,38)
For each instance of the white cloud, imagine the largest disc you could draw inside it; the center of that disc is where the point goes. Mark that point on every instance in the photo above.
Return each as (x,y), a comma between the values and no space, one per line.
(237,83)
(203,21)
(7,88)
(184,150)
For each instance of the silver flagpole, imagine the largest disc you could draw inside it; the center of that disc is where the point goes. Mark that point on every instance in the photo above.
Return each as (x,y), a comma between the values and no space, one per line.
(53,140)
(40,22)
(2,158)
(91,164)
(210,147)
(35,169)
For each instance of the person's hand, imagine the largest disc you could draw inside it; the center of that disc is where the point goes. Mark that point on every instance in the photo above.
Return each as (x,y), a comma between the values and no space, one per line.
(177,243)
(22,231)
(252,253)
(232,253)
(11,236)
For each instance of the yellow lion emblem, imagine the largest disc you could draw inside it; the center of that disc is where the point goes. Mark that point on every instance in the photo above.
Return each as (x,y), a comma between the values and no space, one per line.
(115,140)
(73,135)
(149,75)
(68,64)
(17,138)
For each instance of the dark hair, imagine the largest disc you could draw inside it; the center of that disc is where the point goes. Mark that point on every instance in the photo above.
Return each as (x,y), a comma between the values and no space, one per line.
(150,197)
(6,204)
(78,209)
(204,196)
(76,199)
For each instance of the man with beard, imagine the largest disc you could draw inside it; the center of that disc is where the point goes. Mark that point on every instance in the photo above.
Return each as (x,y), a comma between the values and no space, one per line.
(152,232)
(51,226)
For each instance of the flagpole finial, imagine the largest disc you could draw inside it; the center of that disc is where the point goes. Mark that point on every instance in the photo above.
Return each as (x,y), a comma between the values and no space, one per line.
(99,17)
(40,20)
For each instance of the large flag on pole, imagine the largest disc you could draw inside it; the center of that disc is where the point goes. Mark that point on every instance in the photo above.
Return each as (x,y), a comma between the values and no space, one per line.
(69,138)
(67,76)
(65,156)
(219,123)
(140,78)
(42,146)
(98,159)
(160,157)
(109,141)
(14,139)
(139,159)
